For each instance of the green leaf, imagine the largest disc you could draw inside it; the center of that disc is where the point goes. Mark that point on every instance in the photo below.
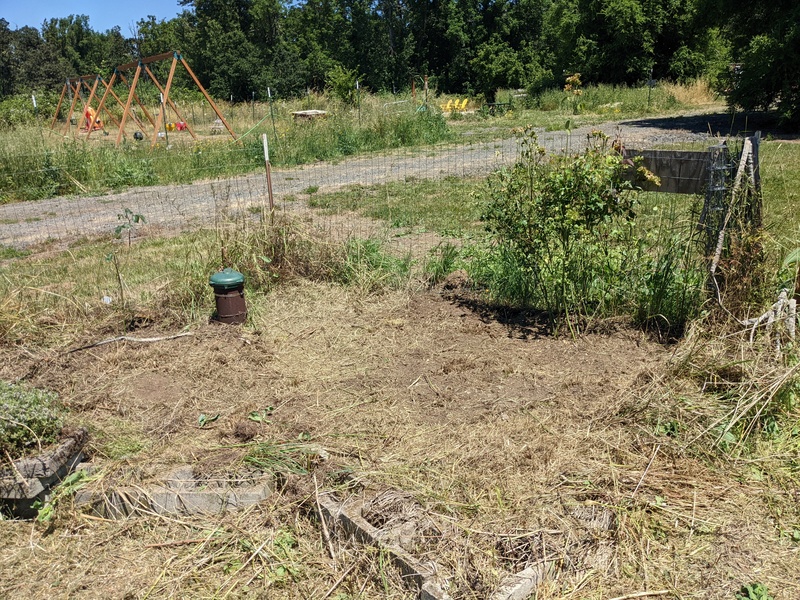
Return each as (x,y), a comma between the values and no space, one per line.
(261,416)
(792,258)
(204,420)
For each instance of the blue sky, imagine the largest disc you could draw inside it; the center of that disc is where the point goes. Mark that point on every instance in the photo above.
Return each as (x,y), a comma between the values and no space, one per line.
(103,14)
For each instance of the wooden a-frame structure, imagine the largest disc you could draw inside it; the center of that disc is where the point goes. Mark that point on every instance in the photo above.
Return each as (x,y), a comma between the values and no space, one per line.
(142,70)
(73,91)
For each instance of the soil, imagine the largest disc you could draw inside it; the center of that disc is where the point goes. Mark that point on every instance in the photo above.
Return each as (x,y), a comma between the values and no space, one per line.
(496,428)
(509,444)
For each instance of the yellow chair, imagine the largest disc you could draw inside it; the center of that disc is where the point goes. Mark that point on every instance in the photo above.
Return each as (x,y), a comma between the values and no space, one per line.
(447,107)
(463,106)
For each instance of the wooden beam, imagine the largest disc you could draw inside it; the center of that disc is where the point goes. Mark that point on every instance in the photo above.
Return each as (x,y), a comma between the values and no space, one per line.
(58,107)
(89,103)
(102,106)
(146,61)
(74,93)
(110,88)
(207,97)
(126,112)
(165,100)
(171,103)
(103,99)
(138,101)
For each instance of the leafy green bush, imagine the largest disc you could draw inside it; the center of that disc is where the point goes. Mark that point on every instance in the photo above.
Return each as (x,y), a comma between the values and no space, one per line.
(18,109)
(342,83)
(563,240)
(550,220)
(28,418)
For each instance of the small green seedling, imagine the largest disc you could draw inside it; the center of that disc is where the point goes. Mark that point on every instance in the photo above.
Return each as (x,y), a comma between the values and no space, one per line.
(754,591)
(129,220)
(204,420)
(261,416)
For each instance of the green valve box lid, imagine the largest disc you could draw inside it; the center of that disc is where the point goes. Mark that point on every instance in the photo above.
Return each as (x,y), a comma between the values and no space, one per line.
(227,279)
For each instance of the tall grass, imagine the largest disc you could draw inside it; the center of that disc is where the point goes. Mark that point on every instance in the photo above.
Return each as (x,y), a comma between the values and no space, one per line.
(51,299)
(611,100)
(37,163)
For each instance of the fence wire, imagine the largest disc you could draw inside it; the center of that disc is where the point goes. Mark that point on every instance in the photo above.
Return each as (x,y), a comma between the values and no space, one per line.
(208,201)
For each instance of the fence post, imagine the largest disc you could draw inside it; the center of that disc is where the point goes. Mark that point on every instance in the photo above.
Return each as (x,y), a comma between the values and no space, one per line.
(269,179)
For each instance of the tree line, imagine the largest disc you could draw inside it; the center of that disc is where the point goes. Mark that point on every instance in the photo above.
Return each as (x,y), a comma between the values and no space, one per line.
(240,48)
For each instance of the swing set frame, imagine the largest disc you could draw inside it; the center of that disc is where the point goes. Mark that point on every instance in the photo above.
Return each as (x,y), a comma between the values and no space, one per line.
(74,87)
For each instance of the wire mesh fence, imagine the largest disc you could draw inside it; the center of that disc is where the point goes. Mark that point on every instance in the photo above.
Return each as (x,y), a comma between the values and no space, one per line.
(211,199)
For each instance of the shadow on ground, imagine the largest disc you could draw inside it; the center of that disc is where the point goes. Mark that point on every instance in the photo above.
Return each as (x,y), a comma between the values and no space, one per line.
(721,124)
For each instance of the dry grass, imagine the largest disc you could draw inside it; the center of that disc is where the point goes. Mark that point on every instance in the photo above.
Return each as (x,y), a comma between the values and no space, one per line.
(697,93)
(506,447)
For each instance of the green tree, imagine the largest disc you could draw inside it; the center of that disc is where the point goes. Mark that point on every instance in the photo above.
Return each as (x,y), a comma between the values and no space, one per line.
(496,65)
(75,42)
(765,39)
(6,57)
(226,60)
(36,65)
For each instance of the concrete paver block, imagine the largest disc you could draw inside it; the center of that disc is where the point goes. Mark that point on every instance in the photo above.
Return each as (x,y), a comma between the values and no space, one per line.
(180,493)
(31,479)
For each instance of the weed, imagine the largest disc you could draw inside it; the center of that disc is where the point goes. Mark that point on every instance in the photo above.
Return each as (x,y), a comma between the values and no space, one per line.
(7,252)
(442,260)
(367,266)
(284,458)
(754,591)
(68,486)
(672,290)
(129,222)
(123,446)
(203,419)
(29,418)
(573,93)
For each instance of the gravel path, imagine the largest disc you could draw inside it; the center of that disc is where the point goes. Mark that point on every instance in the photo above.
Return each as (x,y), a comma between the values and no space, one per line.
(205,202)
